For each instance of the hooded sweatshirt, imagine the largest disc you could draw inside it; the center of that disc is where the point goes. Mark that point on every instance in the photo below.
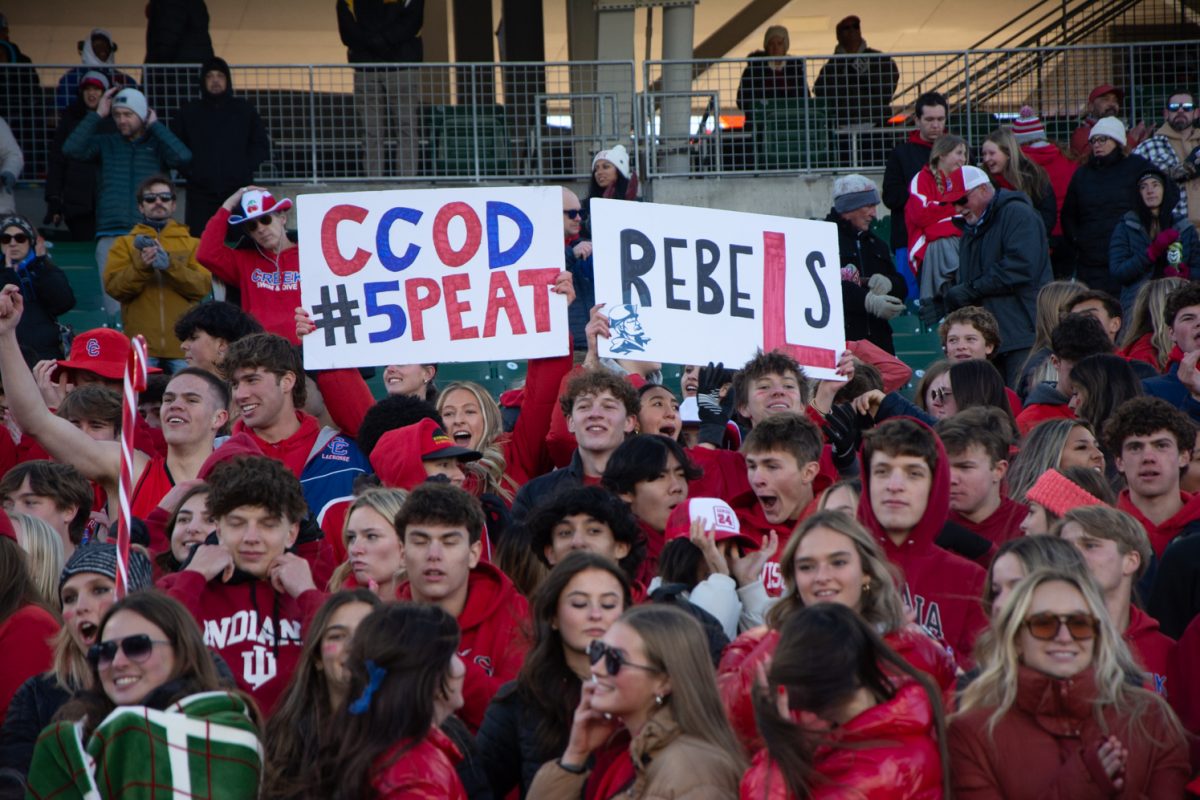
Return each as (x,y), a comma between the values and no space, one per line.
(1045,402)
(1162,533)
(494,624)
(68,84)
(256,629)
(943,588)
(1152,649)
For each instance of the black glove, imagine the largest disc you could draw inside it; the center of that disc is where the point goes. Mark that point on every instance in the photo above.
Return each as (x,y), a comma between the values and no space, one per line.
(842,431)
(931,311)
(54,208)
(959,295)
(714,410)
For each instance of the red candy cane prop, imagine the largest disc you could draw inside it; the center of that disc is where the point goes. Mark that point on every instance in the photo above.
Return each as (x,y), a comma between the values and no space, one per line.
(136,373)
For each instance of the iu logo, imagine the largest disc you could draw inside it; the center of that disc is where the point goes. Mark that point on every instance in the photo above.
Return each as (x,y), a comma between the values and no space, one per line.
(258,666)
(93,348)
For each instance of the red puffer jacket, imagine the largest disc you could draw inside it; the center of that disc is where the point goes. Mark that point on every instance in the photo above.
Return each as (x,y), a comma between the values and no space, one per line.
(736,674)
(890,754)
(426,772)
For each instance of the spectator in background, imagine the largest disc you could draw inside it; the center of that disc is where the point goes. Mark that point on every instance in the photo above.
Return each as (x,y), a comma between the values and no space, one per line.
(904,162)
(378,32)
(578,255)
(872,291)
(97,54)
(857,91)
(1010,169)
(770,75)
(176,33)
(1104,102)
(1002,264)
(154,274)
(228,141)
(9,52)
(933,235)
(1030,134)
(71,183)
(1175,149)
(205,332)
(1152,240)
(611,177)
(12,161)
(44,286)
(137,149)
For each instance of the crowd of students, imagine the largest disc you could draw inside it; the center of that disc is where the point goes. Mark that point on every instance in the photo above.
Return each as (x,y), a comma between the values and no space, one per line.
(752,584)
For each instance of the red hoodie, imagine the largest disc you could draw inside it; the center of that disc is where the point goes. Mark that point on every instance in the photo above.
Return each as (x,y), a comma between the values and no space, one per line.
(1141,350)
(1152,648)
(292,451)
(240,621)
(945,589)
(1183,690)
(1001,525)
(1059,168)
(1162,534)
(495,637)
(1037,413)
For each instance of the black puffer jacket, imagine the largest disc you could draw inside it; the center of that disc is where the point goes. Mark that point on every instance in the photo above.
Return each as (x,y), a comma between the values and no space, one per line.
(871,256)
(38,699)
(47,294)
(508,743)
(1098,196)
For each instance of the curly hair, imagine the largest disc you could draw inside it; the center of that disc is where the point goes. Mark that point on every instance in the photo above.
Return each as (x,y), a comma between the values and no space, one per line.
(595,381)
(775,362)
(441,504)
(258,482)
(218,319)
(1183,297)
(978,318)
(1143,416)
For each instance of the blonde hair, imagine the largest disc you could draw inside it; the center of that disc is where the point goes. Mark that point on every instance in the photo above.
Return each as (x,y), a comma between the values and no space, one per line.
(1149,310)
(943,146)
(1112,664)
(1050,300)
(489,470)
(1102,522)
(1022,173)
(385,501)
(880,604)
(46,555)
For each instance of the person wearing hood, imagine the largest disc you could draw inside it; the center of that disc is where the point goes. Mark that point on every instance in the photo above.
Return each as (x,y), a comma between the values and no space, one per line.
(97,53)
(1003,262)
(905,502)
(771,75)
(873,292)
(228,142)
(70,182)
(1030,134)
(1152,240)
(1175,149)
(1098,197)
(442,530)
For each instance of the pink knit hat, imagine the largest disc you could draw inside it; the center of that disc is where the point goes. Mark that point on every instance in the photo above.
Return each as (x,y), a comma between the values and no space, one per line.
(1027,127)
(1059,494)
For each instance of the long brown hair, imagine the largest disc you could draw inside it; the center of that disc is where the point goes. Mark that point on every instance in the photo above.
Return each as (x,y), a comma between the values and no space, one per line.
(1022,173)
(293,735)
(17,588)
(826,653)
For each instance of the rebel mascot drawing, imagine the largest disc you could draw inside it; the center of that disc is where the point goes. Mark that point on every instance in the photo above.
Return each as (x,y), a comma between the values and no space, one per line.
(436,275)
(685,285)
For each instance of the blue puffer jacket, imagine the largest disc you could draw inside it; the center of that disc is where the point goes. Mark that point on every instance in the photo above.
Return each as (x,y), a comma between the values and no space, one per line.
(1129,264)
(123,165)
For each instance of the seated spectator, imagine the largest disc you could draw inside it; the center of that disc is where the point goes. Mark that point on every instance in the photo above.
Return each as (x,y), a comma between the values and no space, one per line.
(44,553)
(872,290)
(125,725)
(442,528)
(153,273)
(1055,493)
(1010,169)
(1099,196)
(27,626)
(54,493)
(1100,384)
(930,113)
(1076,337)
(1151,241)
(770,75)
(188,526)
(1147,336)
(932,234)
(1181,316)
(44,287)
(258,506)
(977,442)
(964,385)
(71,183)
(833,671)
(1054,444)
(371,553)
(1117,552)
(591,519)
(1017,558)
(1101,305)
(97,54)
(1030,134)
(206,330)
(1038,368)
(1054,639)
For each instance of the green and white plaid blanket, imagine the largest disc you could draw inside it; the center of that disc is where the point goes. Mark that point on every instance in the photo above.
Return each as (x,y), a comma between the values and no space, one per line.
(204,746)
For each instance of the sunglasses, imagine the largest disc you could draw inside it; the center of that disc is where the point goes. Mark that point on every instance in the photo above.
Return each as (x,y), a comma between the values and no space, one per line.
(19,238)
(136,648)
(614,659)
(162,197)
(573,213)
(940,395)
(251,224)
(1181,106)
(1045,626)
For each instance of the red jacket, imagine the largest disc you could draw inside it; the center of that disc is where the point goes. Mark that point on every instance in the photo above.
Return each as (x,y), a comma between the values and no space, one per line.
(240,622)
(1162,534)
(1046,746)
(944,588)
(1037,413)
(890,753)
(737,673)
(1152,648)
(424,772)
(1182,689)
(1059,168)
(270,290)
(495,637)
(292,451)
(25,642)
(1003,524)
(1141,350)
(926,217)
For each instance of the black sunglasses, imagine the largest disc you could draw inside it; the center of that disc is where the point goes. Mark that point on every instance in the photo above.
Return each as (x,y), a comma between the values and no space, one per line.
(164,197)
(135,648)
(1181,106)
(1046,625)
(573,213)
(251,224)
(614,659)
(19,238)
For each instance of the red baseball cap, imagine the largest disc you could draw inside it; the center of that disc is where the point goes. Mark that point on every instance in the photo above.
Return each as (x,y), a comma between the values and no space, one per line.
(718,517)
(963,180)
(103,351)
(398,453)
(1106,88)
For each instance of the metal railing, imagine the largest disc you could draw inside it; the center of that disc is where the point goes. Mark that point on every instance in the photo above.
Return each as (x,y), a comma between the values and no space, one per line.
(335,123)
